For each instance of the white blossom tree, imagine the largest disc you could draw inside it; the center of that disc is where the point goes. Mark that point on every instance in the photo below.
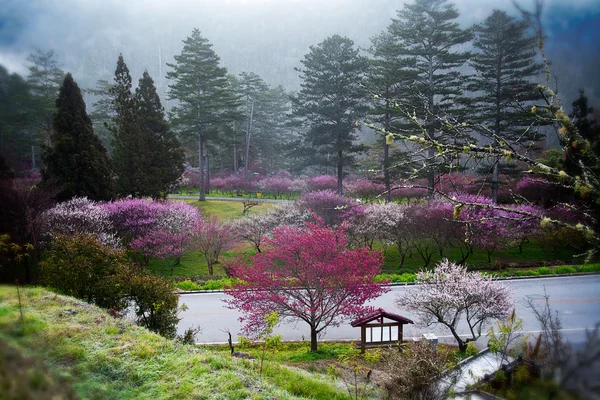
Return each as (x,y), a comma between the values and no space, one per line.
(450,293)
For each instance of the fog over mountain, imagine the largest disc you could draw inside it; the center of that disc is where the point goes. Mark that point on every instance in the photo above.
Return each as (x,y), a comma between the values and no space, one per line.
(268,37)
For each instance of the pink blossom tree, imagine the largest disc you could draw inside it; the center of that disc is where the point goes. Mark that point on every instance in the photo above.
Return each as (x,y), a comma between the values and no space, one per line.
(253,228)
(163,245)
(79,216)
(305,274)
(450,293)
(211,239)
(326,204)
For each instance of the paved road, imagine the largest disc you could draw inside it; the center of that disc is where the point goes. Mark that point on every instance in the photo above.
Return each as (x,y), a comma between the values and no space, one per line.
(186,197)
(575,299)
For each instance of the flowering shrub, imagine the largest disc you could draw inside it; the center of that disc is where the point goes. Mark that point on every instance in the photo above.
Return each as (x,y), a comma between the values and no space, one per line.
(79,216)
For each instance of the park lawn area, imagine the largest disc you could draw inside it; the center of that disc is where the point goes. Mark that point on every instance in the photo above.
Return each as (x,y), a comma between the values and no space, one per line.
(227,210)
(103,357)
(531,253)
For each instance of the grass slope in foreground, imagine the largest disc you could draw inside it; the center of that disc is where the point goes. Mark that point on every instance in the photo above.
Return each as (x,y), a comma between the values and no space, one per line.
(107,358)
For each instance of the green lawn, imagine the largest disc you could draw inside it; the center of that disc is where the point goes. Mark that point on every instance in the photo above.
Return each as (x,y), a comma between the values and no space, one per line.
(227,210)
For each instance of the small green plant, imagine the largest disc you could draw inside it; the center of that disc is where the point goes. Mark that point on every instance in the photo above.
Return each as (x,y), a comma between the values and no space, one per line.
(544,271)
(590,268)
(564,269)
(373,356)
(271,319)
(187,285)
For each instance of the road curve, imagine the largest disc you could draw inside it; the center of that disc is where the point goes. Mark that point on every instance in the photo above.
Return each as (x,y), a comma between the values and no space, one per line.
(575,299)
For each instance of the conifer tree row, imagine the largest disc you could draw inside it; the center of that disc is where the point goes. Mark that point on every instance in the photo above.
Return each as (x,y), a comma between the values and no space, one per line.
(146,154)
(76,162)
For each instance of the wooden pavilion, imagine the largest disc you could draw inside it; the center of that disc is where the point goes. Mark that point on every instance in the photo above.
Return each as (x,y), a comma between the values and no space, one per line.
(380,328)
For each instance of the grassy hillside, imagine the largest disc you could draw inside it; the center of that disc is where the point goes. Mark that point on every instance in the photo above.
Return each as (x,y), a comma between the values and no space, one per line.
(106,358)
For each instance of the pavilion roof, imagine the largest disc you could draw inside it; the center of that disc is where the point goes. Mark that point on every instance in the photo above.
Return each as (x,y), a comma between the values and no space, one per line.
(378,313)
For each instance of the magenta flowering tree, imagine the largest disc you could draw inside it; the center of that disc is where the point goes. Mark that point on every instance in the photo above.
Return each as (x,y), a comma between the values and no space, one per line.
(305,274)
(450,294)
(79,216)
(211,239)
(323,182)
(365,188)
(163,245)
(327,205)
(275,185)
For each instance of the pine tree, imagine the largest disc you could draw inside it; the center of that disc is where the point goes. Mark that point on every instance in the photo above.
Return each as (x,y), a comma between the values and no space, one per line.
(45,78)
(205,99)
(389,79)
(130,151)
(427,38)
(103,113)
(585,149)
(164,163)
(76,161)
(331,100)
(505,62)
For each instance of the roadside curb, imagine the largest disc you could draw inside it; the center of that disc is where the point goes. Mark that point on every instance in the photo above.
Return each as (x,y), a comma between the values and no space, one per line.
(397,284)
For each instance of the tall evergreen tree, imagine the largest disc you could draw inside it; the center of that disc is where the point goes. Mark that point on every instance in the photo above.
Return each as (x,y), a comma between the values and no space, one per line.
(103,112)
(76,161)
(130,150)
(164,162)
(16,139)
(428,39)
(583,150)
(45,78)
(389,79)
(331,100)
(505,63)
(204,96)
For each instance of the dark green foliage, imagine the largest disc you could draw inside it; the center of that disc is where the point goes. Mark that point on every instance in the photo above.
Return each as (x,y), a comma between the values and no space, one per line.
(505,65)
(427,38)
(155,303)
(16,102)
(76,161)
(130,150)
(81,267)
(587,149)
(330,102)
(23,377)
(205,101)
(163,163)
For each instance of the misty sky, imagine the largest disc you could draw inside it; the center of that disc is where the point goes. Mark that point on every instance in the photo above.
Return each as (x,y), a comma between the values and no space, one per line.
(268,37)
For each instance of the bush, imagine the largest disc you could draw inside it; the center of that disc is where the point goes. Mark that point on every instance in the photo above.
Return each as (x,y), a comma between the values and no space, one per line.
(155,303)
(82,267)
(526,272)
(544,271)
(217,284)
(564,269)
(590,268)
(187,285)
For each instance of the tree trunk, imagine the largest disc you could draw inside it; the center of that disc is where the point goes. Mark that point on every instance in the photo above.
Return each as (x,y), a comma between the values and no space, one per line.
(313,339)
(207,172)
(340,173)
(201,166)
(495,182)
(248,134)
(386,173)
